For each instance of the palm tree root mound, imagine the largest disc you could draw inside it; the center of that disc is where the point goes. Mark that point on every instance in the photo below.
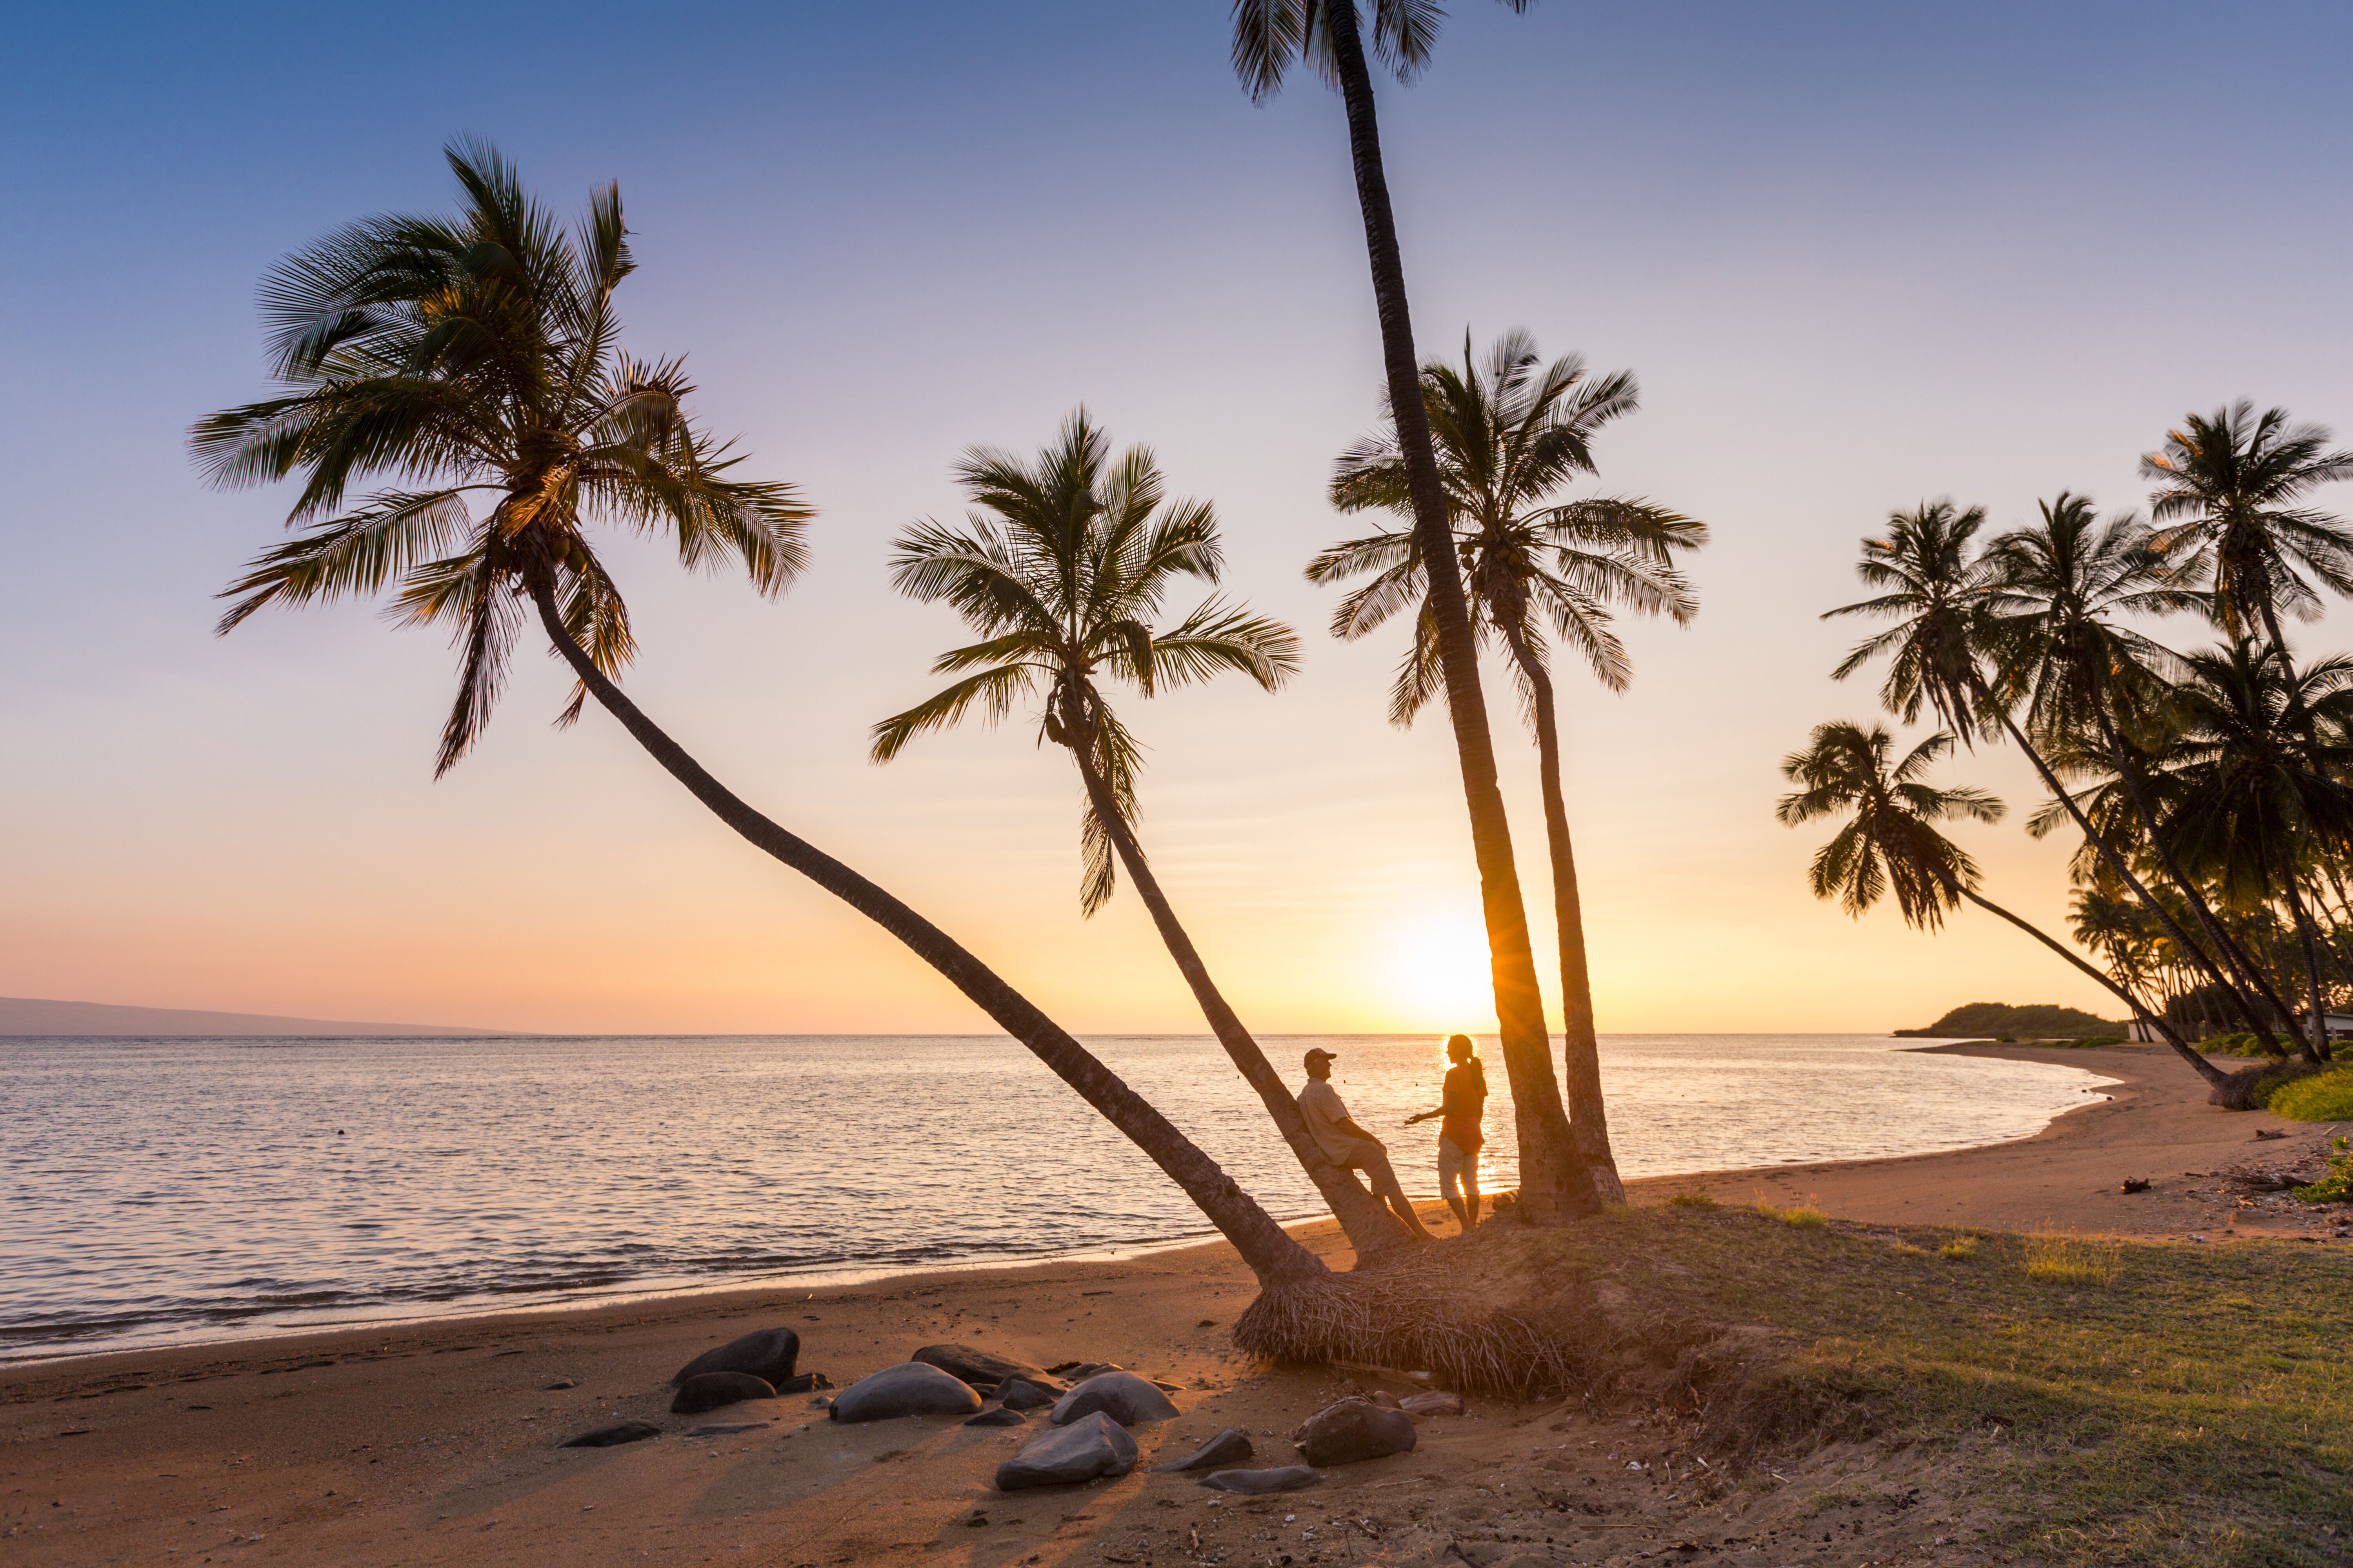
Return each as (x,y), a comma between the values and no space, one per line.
(1515,1312)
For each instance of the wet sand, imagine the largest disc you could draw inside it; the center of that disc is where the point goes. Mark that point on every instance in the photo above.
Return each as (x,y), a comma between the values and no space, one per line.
(435,1442)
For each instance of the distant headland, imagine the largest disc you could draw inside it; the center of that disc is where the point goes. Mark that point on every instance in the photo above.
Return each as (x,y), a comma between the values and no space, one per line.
(21,1016)
(2000,1021)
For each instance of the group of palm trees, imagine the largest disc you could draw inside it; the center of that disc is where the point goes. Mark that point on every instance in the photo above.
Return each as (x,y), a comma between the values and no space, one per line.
(480,354)
(2212,790)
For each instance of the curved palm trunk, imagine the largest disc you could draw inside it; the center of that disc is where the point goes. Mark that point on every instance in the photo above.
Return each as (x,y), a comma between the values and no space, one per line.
(1553,1183)
(2242,964)
(2316,1041)
(2124,873)
(1588,1123)
(1372,1229)
(2188,1053)
(1270,1251)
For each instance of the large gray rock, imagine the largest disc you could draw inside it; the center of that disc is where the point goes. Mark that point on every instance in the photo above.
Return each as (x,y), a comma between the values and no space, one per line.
(710,1390)
(910,1388)
(613,1436)
(974,1365)
(1029,1393)
(1225,1450)
(1088,1447)
(1356,1429)
(1124,1398)
(768,1354)
(1289,1479)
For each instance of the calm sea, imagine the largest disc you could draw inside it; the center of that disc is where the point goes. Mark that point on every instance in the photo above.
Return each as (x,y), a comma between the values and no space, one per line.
(162,1190)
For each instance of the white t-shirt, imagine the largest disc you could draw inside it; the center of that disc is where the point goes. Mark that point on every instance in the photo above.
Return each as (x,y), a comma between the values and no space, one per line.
(1320,1103)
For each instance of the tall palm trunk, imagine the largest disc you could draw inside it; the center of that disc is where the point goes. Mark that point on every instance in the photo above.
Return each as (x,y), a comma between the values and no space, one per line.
(1372,1229)
(2240,964)
(2107,852)
(1553,1183)
(1271,1253)
(2214,1075)
(1589,1123)
(2315,1040)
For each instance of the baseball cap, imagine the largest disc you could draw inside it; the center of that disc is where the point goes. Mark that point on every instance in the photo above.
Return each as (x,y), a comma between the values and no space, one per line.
(1327,1056)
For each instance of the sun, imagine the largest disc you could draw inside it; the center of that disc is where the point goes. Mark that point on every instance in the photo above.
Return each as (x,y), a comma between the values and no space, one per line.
(1440,974)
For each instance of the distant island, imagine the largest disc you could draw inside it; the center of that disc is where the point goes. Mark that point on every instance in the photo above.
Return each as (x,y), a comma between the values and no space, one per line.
(21,1015)
(2000,1021)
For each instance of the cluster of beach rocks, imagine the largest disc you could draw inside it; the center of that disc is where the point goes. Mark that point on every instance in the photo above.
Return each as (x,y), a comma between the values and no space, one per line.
(1090,1408)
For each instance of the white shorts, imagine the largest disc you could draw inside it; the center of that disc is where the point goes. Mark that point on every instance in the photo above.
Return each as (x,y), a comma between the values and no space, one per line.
(1454,1162)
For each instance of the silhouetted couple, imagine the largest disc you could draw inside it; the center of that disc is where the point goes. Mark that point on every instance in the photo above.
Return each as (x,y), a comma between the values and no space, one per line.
(1346,1143)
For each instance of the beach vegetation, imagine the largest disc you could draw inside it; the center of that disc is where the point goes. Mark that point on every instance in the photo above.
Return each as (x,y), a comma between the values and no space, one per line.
(1958,1248)
(1510,431)
(2069,1259)
(2319,1097)
(477,354)
(1061,570)
(1691,1200)
(1341,41)
(2337,1186)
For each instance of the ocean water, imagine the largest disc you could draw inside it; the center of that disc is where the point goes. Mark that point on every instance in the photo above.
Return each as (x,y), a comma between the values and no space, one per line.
(162,1190)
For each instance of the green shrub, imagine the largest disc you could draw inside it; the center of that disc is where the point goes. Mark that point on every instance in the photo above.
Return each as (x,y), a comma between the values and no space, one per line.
(2336,1187)
(2318,1096)
(2239,1045)
(1692,1201)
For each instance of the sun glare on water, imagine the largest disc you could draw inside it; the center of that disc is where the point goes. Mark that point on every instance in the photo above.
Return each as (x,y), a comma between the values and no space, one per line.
(1439,972)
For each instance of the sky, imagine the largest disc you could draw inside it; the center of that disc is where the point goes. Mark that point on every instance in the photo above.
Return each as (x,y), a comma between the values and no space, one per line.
(1858,256)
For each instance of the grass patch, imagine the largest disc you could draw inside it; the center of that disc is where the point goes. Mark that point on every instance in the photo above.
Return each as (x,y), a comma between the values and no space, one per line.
(2134,1403)
(2326,1096)
(1804,1216)
(1693,1201)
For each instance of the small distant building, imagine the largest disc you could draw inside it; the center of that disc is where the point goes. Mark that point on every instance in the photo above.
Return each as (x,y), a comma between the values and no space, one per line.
(2341,1027)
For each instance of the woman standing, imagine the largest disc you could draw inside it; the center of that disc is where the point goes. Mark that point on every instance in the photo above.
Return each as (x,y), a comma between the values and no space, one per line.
(1462,1108)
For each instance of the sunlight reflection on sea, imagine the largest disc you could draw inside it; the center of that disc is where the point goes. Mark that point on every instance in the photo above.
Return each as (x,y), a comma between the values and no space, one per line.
(184,1189)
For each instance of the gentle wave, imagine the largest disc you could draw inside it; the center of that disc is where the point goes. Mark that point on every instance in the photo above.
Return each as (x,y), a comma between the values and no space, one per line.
(170,1190)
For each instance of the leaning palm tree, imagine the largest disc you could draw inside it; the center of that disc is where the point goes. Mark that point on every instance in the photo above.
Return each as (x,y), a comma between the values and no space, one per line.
(478,353)
(1061,572)
(1510,433)
(2253,784)
(1948,628)
(1270,37)
(2231,482)
(2055,591)
(1891,844)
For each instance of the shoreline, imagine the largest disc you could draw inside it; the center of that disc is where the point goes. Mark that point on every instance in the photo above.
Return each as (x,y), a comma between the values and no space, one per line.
(436,1442)
(384,1317)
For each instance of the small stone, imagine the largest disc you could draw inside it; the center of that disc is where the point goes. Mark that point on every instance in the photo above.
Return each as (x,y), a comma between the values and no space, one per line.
(1422,1406)
(767,1355)
(910,1388)
(1356,1429)
(728,1429)
(559,1383)
(1093,1445)
(1225,1450)
(975,1366)
(710,1390)
(1028,1392)
(996,1416)
(1127,1398)
(1288,1479)
(613,1436)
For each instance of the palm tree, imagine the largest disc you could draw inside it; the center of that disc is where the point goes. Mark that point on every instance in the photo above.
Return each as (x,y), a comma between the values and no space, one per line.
(1946,621)
(1509,436)
(1061,572)
(480,352)
(2253,783)
(1891,843)
(2053,590)
(1270,37)
(2234,480)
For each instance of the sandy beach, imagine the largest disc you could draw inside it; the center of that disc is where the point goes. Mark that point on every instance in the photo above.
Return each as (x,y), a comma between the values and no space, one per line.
(436,1443)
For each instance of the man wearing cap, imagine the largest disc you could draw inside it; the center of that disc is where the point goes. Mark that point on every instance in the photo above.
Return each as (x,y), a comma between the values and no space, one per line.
(1347,1144)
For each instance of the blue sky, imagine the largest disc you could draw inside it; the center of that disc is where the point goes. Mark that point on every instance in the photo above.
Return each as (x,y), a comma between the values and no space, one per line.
(1859,255)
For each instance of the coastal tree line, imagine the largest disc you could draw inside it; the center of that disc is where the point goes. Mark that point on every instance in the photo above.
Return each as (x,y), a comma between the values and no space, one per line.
(2207,790)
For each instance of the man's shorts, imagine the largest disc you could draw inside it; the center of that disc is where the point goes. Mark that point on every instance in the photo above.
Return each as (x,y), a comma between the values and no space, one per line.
(1453,1162)
(1374,1161)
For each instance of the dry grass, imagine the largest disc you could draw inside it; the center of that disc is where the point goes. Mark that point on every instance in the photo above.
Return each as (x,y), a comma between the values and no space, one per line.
(2071,1259)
